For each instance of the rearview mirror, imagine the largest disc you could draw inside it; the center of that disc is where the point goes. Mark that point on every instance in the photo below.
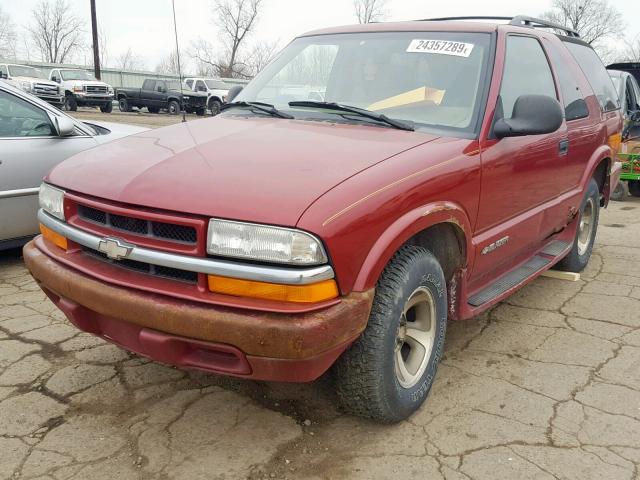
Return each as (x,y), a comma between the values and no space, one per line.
(64,126)
(532,115)
(233,92)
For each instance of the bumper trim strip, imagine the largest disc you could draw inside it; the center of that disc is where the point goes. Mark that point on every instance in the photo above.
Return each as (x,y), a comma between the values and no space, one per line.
(258,273)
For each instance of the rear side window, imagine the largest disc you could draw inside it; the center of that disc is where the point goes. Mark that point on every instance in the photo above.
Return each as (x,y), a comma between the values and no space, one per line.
(574,105)
(596,74)
(526,72)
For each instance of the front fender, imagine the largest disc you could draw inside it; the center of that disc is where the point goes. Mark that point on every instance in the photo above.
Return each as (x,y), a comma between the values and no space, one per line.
(405,227)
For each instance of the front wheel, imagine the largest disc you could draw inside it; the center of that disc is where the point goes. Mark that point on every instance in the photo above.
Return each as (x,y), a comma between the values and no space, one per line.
(123,105)
(634,188)
(578,257)
(214,106)
(201,111)
(70,104)
(174,107)
(107,107)
(388,372)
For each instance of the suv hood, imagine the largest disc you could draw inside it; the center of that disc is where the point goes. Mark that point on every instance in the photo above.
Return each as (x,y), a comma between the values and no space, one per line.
(256,169)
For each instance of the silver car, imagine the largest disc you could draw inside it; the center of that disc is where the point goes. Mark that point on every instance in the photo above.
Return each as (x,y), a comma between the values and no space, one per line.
(34,137)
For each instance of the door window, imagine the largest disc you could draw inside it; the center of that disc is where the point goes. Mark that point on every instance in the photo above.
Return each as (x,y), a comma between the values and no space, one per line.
(596,74)
(4,73)
(632,101)
(526,72)
(574,104)
(200,86)
(19,118)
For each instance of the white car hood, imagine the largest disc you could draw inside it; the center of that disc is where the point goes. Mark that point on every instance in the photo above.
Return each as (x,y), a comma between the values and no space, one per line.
(35,80)
(117,130)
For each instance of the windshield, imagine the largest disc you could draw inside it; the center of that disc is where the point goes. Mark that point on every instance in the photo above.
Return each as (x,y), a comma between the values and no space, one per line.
(22,71)
(76,75)
(215,84)
(432,79)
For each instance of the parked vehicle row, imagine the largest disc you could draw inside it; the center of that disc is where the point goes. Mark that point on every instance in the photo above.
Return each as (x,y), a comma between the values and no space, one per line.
(158,95)
(32,80)
(339,215)
(216,91)
(82,89)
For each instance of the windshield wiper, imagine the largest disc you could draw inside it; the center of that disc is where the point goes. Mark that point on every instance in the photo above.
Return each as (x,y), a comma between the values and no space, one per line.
(262,107)
(354,110)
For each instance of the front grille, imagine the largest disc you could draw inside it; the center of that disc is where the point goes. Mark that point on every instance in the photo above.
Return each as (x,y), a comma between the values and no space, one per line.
(95,89)
(147,268)
(138,226)
(43,89)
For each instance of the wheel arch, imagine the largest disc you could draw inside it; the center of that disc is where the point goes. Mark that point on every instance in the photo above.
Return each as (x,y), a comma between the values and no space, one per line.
(441,227)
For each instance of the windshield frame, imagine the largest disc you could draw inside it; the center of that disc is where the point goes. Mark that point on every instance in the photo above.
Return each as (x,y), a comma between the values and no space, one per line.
(472,131)
(12,67)
(90,78)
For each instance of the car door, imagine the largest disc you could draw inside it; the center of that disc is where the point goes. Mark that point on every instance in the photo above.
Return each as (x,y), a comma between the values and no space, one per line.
(147,92)
(29,148)
(160,94)
(519,174)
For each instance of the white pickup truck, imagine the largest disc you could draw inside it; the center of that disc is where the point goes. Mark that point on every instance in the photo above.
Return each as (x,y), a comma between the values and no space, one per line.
(82,89)
(33,81)
(216,91)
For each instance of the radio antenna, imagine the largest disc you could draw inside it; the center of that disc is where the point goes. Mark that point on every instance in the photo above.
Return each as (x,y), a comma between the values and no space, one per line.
(175,29)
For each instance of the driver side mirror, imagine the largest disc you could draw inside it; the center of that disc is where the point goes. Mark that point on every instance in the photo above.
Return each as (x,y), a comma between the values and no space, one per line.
(55,79)
(161,89)
(64,126)
(234,92)
(3,75)
(532,115)
(635,116)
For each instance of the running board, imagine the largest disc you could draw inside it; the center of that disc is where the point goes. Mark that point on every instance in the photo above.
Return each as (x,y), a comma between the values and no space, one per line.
(510,279)
(555,248)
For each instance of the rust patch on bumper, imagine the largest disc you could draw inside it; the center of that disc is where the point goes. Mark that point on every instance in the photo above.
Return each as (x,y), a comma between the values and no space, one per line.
(276,335)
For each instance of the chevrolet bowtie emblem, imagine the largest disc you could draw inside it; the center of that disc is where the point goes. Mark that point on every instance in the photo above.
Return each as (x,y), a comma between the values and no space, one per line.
(114,248)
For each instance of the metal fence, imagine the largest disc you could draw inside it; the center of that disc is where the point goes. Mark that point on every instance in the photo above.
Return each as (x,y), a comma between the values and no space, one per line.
(115,77)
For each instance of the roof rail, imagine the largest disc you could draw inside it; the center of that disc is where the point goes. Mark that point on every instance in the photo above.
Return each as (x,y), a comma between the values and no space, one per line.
(524,21)
(518,20)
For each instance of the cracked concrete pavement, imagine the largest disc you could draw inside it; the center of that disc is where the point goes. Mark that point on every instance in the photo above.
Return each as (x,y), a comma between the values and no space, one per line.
(546,385)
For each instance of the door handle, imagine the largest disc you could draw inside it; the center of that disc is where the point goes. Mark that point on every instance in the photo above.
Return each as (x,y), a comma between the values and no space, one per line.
(563,146)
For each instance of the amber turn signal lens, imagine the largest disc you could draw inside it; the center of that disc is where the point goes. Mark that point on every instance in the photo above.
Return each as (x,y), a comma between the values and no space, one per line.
(313,293)
(53,237)
(614,142)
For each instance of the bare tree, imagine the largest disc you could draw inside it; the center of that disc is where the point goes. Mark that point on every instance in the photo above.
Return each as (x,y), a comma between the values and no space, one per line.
(368,11)
(631,52)
(7,36)
(261,56)
(236,20)
(169,64)
(594,20)
(129,61)
(56,31)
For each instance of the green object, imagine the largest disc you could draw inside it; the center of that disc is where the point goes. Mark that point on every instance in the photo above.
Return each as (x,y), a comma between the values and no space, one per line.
(630,166)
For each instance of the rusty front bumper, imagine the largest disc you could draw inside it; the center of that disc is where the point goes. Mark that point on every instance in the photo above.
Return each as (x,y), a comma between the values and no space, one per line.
(259,345)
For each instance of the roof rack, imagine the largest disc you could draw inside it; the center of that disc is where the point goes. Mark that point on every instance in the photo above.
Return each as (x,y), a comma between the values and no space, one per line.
(518,20)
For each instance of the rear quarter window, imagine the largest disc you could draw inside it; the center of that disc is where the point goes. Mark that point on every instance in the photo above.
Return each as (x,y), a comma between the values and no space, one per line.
(596,74)
(574,104)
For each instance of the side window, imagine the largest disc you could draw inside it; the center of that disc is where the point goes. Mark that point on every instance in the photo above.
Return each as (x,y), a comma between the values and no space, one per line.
(632,101)
(55,76)
(200,86)
(4,73)
(189,83)
(148,84)
(574,104)
(161,86)
(526,72)
(19,118)
(596,74)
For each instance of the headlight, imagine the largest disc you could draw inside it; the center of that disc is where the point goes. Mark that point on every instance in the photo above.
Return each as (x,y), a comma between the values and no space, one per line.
(77,88)
(51,200)
(263,243)
(26,86)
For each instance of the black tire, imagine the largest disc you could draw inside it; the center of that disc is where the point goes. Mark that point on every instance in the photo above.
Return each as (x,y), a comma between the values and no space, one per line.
(123,105)
(153,109)
(367,379)
(107,107)
(70,104)
(174,107)
(577,259)
(214,106)
(634,187)
(619,194)
(201,111)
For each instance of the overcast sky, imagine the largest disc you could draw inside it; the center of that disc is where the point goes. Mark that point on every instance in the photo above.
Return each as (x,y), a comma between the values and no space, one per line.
(146,25)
